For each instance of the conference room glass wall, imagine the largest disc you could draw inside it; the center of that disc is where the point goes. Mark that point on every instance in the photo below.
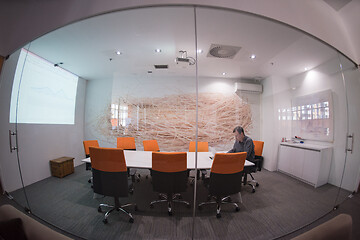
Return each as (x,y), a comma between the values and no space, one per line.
(283,87)
(178,74)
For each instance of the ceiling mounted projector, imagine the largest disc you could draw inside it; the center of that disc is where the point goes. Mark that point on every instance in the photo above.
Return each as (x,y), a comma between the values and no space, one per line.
(184,58)
(180,59)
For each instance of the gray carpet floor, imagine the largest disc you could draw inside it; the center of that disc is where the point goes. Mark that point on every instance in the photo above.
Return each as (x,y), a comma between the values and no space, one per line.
(281,204)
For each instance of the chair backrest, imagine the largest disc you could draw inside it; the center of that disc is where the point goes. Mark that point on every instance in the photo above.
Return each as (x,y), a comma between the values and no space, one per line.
(202,147)
(151,145)
(226,173)
(169,161)
(126,143)
(258,147)
(109,171)
(89,143)
(169,172)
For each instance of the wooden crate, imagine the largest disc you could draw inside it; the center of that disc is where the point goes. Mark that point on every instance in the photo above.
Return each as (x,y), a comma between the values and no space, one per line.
(62,167)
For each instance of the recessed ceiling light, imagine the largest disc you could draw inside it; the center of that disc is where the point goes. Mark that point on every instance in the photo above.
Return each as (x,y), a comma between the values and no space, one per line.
(200,51)
(306,69)
(224,73)
(253,56)
(118,53)
(158,50)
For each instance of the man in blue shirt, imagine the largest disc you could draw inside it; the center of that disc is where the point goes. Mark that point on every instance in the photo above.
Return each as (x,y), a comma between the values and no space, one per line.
(243,144)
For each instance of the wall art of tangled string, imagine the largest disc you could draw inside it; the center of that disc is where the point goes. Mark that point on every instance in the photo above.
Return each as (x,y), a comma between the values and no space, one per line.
(171,120)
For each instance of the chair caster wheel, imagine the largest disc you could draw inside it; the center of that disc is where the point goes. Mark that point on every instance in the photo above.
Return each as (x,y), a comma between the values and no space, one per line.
(253,191)
(136,208)
(92,186)
(237,209)
(170,213)
(151,206)
(105,221)
(99,209)
(131,220)
(218,215)
(89,181)
(257,184)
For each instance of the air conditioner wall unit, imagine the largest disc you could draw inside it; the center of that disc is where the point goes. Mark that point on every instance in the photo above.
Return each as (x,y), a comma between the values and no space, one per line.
(248,87)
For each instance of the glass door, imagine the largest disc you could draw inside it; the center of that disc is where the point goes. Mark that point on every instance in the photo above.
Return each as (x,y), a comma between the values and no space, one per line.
(284,88)
(349,182)
(12,175)
(177,75)
(123,74)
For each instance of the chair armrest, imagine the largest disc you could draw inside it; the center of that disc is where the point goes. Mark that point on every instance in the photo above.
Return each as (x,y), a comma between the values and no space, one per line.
(32,228)
(339,227)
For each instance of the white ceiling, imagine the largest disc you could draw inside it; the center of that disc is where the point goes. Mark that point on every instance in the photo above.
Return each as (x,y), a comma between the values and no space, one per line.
(86,47)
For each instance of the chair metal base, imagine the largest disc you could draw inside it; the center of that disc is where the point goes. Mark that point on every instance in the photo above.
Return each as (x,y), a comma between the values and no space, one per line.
(169,198)
(218,201)
(117,207)
(253,183)
(203,173)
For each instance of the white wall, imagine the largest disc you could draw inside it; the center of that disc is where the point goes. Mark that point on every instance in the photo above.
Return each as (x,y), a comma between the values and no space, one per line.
(278,93)
(38,143)
(276,96)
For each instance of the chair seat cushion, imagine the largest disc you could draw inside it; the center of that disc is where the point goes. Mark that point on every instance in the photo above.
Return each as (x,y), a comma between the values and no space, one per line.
(225,184)
(12,229)
(164,182)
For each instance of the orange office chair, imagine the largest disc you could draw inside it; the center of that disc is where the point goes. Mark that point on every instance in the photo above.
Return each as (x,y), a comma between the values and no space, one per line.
(202,147)
(87,144)
(225,179)
(151,145)
(126,143)
(258,148)
(169,176)
(110,177)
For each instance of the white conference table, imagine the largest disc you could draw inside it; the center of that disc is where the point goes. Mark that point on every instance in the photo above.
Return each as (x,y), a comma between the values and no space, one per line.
(143,159)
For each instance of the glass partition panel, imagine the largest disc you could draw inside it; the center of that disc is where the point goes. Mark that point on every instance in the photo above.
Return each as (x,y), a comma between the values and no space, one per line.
(349,182)
(123,74)
(283,88)
(13,177)
(179,75)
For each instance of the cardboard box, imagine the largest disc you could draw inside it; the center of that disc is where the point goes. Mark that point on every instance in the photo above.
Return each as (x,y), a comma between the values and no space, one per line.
(62,167)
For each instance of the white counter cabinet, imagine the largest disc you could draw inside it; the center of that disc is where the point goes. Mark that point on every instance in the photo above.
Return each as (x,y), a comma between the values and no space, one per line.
(307,162)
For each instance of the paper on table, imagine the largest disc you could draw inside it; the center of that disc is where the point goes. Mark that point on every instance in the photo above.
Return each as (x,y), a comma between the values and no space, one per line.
(212,151)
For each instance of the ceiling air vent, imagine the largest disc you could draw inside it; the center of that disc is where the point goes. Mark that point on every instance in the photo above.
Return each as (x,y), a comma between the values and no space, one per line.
(223,51)
(161,66)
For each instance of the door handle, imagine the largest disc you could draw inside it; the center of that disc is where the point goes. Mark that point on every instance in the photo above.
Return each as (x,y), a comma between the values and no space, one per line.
(352,143)
(11,147)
